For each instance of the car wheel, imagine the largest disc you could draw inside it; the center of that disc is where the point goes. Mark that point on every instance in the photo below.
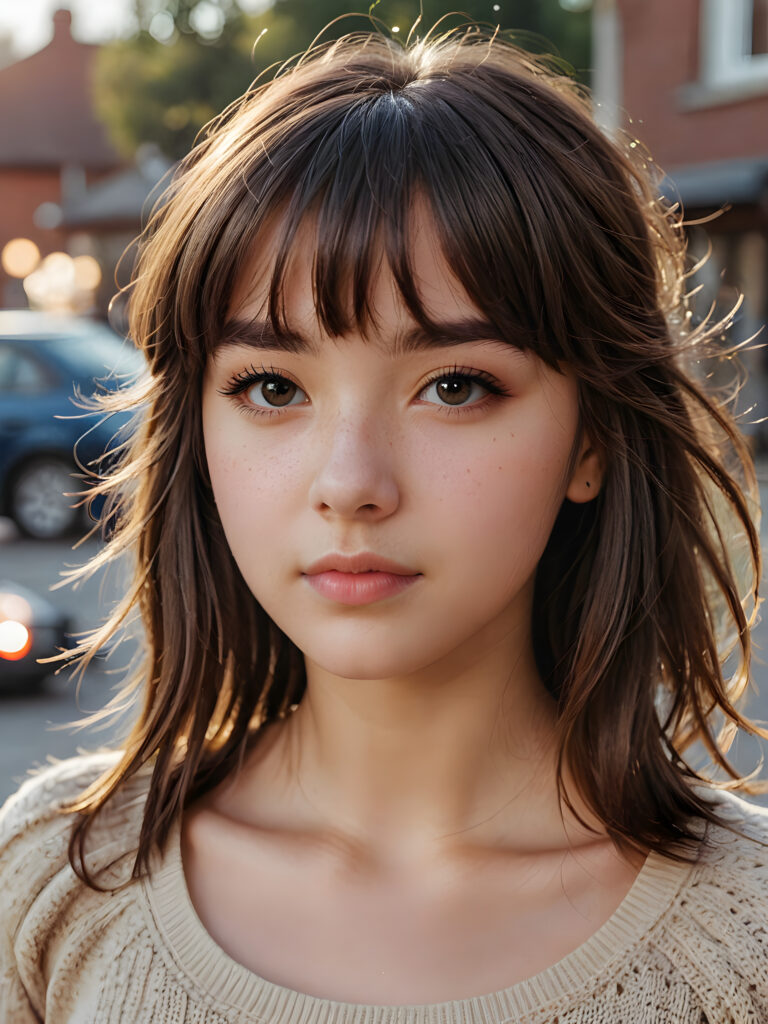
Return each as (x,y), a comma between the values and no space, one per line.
(38,505)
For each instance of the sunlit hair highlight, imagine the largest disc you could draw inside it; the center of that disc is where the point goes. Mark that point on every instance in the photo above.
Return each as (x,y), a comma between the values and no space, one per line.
(559,237)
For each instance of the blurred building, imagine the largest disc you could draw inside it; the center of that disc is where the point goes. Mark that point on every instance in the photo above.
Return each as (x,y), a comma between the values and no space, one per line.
(104,219)
(694,81)
(52,147)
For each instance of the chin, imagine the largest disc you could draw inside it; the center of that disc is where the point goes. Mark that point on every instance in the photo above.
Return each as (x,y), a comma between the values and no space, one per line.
(371,660)
(362,668)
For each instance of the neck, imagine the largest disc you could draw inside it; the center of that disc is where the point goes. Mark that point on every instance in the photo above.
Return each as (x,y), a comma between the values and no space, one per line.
(452,758)
(419,758)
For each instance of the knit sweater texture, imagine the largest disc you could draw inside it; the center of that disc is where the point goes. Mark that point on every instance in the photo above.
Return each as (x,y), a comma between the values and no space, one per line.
(687,945)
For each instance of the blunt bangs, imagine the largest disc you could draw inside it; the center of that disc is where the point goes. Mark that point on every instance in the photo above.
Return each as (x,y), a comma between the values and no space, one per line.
(507,182)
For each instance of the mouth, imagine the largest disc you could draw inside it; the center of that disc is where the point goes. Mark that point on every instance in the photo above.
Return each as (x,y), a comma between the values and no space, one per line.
(360,587)
(362,563)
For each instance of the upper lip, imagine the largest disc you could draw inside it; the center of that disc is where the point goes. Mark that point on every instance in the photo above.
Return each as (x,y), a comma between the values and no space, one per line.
(364,561)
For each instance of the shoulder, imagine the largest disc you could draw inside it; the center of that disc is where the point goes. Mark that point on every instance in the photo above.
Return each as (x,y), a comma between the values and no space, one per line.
(731,873)
(35,827)
(731,869)
(43,903)
(740,844)
(34,824)
(716,933)
(47,789)
(35,831)
(37,810)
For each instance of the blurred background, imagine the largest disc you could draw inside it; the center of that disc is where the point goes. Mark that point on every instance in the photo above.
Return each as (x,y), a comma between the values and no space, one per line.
(99,98)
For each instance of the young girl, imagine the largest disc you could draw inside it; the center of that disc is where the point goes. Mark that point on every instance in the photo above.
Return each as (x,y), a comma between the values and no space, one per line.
(440,551)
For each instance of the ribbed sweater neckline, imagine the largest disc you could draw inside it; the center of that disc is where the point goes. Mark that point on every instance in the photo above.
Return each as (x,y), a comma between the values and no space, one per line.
(210,969)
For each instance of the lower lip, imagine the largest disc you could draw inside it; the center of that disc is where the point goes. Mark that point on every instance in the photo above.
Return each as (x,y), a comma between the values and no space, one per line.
(359,587)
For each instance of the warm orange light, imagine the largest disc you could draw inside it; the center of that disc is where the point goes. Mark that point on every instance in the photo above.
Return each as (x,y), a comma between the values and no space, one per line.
(52,285)
(15,640)
(20,257)
(60,268)
(87,273)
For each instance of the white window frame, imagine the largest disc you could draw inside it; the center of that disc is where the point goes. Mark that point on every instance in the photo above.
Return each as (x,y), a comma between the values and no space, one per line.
(728,71)
(726,60)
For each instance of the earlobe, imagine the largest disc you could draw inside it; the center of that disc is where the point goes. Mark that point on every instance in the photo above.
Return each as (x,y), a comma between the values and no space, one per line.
(586,478)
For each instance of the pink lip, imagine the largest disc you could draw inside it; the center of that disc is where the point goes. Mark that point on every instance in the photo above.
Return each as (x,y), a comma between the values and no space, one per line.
(363,561)
(359,579)
(359,587)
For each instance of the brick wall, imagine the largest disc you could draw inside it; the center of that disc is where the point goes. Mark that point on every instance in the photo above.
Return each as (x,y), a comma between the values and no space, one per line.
(23,191)
(661,55)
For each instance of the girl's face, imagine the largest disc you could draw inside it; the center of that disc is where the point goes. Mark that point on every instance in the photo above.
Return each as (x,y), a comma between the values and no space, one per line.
(448,459)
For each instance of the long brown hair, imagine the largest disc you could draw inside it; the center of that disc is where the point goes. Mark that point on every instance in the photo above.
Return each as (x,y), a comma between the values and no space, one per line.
(560,238)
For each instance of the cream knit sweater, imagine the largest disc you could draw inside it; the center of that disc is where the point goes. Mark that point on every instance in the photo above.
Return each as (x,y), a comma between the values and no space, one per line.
(688,944)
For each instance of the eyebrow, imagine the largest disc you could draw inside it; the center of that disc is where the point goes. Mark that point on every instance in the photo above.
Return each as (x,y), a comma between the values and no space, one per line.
(261,334)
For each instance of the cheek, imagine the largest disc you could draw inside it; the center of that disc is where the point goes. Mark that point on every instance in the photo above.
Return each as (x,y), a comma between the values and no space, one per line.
(498,502)
(251,484)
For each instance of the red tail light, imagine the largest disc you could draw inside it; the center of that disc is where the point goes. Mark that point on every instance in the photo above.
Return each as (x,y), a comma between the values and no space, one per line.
(15,640)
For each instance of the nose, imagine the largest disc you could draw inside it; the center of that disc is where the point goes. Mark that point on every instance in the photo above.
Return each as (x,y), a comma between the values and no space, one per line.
(355,475)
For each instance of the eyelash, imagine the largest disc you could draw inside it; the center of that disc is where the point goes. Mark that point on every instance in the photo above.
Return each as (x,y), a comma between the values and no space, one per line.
(243,380)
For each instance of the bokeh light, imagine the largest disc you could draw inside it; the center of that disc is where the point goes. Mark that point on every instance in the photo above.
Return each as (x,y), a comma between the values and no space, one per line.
(207,19)
(87,273)
(15,640)
(52,285)
(161,27)
(14,606)
(63,284)
(20,257)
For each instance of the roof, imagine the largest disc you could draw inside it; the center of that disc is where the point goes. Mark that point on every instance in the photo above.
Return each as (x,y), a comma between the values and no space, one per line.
(46,112)
(743,181)
(122,197)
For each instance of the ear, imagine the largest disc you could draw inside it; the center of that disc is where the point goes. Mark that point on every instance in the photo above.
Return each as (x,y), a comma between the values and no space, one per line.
(587,477)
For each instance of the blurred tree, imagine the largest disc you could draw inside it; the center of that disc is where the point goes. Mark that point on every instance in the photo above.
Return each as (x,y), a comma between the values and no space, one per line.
(564,32)
(181,68)
(189,58)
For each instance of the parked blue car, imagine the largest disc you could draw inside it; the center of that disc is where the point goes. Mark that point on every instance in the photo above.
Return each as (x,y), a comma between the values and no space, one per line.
(44,359)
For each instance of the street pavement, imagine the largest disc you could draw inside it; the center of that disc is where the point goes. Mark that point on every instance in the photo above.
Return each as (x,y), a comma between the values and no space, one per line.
(35,726)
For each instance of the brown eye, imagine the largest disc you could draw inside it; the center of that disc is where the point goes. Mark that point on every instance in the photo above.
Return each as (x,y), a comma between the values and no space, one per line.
(273,391)
(455,389)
